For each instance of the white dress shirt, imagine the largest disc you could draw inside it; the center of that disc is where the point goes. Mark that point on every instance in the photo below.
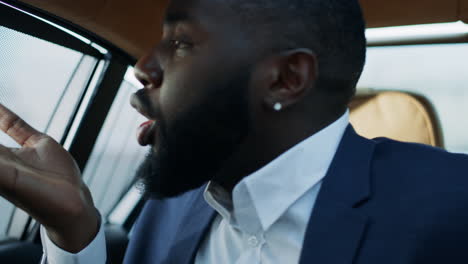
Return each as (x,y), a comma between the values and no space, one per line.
(266,218)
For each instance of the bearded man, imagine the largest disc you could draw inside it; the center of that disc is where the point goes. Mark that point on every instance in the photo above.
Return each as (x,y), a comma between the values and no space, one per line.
(252,158)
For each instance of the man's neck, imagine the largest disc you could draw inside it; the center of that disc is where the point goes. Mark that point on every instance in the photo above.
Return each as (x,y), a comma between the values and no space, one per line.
(261,148)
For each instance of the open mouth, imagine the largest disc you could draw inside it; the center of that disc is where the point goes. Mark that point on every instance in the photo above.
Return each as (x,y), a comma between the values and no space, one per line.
(146,131)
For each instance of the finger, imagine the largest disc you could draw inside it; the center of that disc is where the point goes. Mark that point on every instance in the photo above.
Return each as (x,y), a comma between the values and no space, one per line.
(17,128)
(19,182)
(6,152)
(7,171)
(14,150)
(35,193)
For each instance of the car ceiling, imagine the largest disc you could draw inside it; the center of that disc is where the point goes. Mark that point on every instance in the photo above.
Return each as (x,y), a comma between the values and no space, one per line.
(135,26)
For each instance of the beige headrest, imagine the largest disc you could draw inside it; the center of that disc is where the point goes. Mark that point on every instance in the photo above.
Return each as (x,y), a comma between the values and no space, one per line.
(396,115)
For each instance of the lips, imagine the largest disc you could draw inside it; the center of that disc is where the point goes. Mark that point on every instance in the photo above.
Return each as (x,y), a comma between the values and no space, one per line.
(141,102)
(146,131)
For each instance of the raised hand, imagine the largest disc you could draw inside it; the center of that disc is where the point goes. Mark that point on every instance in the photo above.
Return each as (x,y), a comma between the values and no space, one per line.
(42,178)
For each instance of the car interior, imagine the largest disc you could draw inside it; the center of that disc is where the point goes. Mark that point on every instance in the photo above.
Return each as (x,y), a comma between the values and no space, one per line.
(66,68)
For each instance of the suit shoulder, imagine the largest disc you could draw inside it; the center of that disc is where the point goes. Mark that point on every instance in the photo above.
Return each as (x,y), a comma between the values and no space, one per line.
(415,155)
(413,163)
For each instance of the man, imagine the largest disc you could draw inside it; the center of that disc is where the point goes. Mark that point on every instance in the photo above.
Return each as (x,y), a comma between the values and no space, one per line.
(252,158)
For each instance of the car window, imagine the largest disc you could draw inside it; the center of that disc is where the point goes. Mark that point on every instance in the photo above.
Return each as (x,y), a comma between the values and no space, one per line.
(116,155)
(43,83)
(438,72)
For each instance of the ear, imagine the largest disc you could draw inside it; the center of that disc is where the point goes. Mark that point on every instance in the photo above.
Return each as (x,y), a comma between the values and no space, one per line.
(292,75)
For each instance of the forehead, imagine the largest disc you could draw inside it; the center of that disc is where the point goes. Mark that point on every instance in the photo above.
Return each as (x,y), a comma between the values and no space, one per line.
(202,12)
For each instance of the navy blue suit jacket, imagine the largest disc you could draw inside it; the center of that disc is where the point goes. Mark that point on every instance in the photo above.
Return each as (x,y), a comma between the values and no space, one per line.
(381,202)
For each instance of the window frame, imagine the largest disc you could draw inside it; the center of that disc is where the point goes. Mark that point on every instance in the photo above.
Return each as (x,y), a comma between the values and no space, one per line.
(17,19)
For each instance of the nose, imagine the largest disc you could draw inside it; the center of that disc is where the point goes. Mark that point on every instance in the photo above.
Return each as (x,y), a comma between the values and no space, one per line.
(148,71)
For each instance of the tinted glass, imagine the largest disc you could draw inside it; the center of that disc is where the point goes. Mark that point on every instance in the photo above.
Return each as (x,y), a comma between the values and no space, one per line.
(116,154)
(42,82)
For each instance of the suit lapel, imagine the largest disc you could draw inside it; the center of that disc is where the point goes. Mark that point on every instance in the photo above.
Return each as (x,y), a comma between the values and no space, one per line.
(336,227)
(193,227)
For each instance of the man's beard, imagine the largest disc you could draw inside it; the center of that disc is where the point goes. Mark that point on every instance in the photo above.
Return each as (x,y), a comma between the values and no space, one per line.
(193,148)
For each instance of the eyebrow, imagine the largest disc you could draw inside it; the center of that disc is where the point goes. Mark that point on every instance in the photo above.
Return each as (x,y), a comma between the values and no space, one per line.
(174,18)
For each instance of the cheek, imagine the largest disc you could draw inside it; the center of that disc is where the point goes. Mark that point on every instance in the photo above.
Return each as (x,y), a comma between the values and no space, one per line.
(188,80)
(180,91)
(255,98)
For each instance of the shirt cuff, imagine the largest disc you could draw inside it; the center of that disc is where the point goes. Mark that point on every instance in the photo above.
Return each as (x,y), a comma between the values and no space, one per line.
(94,253)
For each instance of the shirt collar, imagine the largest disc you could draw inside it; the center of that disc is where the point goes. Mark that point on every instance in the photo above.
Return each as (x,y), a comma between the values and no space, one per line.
(265,195)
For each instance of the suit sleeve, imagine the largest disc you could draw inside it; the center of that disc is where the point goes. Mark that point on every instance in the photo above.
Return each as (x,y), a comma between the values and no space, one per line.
(94,253)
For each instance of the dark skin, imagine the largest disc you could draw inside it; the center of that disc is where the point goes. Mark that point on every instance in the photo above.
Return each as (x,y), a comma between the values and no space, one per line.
(207,38)
(42,177)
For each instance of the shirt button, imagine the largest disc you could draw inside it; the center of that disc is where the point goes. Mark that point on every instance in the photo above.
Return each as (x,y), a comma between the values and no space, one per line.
(253,241)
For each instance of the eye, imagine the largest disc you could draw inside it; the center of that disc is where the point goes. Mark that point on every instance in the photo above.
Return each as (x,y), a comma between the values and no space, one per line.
(179,44)
(180,48)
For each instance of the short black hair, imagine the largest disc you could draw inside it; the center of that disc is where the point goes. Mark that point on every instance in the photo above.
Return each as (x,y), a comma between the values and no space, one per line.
(333,29)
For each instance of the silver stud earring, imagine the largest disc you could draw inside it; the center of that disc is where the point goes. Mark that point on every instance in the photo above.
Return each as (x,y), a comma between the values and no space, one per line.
(278,107)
